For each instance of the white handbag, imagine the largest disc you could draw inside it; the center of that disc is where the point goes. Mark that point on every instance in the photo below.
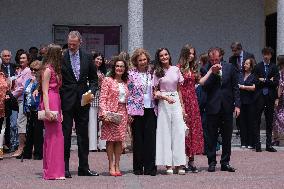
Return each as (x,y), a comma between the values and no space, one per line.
(41,115)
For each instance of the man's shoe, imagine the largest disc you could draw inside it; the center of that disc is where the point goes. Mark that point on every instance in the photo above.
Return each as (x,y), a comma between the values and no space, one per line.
(68,174)
(37,158)
(270,149)
(87,173)
(227,168)
(138,172)
(258,149)
(151,172)
(211,168)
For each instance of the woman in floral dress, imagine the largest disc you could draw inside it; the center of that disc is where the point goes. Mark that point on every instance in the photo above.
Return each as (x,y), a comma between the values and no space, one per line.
(278,123)
(194,139)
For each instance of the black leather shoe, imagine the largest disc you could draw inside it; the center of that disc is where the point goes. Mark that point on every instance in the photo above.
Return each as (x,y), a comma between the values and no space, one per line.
(270,149)
(68,174)
(258,149)
(37,158)
(138,172)
(211,168)
(87,173)
(227,168)
(151,172)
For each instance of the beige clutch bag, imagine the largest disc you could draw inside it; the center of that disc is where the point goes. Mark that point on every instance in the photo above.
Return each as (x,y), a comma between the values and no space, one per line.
(87,98)
(41,115)
(113,117)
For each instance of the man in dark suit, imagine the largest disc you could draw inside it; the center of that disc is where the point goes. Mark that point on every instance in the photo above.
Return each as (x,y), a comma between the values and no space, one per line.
(239,55)
(268,80)
(237,59)
(11,132)
(78,76)
(223,98)
(7,67)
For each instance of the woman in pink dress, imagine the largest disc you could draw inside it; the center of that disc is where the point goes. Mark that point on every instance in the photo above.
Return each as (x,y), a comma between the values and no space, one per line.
(194,142)
(113,98)
(53,147)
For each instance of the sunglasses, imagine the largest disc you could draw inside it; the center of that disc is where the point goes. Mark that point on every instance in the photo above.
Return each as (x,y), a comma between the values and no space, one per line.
(34,69)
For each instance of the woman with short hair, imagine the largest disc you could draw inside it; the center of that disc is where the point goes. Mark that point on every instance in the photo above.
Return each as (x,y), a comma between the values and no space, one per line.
(141,107)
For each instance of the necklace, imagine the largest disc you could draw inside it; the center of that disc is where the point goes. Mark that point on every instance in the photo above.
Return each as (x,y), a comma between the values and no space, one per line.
(144,83)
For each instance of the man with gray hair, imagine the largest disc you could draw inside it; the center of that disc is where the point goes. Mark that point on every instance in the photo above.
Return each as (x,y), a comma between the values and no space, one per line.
(78,77)
(7,67)
(11,133)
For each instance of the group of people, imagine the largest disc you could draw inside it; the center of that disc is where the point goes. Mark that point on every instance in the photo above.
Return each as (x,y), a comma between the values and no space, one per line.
(173,112)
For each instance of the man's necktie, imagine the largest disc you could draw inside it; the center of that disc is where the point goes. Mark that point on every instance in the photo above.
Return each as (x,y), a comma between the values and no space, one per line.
(75,66)
(265,89)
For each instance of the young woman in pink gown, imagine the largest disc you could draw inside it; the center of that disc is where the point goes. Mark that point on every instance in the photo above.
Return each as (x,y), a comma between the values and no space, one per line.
(53,147)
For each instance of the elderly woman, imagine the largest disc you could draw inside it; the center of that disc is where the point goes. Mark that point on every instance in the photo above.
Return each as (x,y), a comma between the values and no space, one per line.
(22,77)
(113,99)
(141,108)
(31,105)
(3,90)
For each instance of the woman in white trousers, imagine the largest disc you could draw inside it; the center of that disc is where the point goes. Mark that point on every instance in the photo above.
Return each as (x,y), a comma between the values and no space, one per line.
(95,142)
(170,138)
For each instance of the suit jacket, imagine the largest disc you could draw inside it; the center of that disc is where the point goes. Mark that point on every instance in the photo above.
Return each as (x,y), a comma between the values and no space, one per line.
(222,91)
(234,59)
(12,68)
(273,72)
(72,90)
(110,95)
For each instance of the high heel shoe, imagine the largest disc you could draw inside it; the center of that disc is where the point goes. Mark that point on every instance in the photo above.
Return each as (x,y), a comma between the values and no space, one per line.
(23,156)
(112,174)
(118,174)
(1,154)
(20,156)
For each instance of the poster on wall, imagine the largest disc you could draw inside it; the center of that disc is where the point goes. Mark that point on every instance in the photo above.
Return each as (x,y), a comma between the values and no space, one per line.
(93,42)
(103,39)
(60,35)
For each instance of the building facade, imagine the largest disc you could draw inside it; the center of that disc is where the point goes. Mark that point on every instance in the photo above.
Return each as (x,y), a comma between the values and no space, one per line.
(144,23)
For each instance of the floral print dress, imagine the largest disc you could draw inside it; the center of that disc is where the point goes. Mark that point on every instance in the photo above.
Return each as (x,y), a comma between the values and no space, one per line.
(194,142)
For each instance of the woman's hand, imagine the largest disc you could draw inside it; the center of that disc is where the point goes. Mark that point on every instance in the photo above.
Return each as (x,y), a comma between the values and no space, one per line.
(35,93)
(130,119)
(276,103)
(170,100)
(184,115)
(105,119)
(100,78)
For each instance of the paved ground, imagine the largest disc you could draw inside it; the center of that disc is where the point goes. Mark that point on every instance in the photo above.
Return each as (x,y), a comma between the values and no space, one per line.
(254,170)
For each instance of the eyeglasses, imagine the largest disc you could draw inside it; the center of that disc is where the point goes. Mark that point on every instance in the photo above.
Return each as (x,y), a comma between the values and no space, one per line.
(34,69)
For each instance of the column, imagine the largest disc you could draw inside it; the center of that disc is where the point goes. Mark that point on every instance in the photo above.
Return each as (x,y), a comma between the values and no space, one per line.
(135,25)
(280,27)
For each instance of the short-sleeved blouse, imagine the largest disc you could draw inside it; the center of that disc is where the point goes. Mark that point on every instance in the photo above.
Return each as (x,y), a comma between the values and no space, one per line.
(170,81)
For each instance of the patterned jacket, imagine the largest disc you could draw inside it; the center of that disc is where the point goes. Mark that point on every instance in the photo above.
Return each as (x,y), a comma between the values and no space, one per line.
(109,96)
(3,90)
(135,105)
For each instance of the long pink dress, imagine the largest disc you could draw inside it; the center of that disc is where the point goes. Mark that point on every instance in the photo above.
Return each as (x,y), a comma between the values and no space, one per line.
(53,147)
